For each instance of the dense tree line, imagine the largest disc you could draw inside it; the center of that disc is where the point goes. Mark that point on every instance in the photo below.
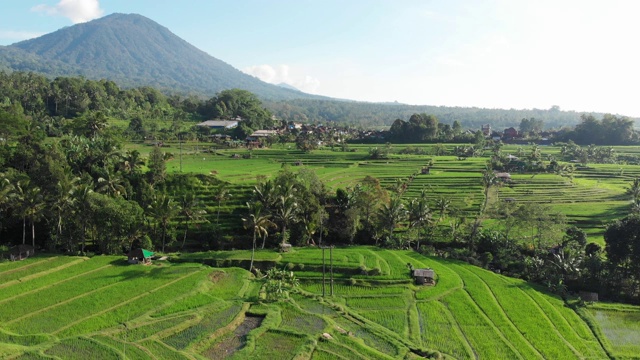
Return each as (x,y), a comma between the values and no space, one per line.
(53,103)
(611,130)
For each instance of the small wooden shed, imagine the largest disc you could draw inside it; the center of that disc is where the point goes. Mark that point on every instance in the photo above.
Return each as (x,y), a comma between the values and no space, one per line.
(137,256)
(424,276)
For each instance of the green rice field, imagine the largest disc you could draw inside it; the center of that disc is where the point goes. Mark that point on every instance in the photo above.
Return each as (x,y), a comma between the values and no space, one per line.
(590,199)
(54,307)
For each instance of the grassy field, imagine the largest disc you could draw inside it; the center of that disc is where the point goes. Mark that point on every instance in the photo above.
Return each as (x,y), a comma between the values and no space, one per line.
(100,307)
(592,198)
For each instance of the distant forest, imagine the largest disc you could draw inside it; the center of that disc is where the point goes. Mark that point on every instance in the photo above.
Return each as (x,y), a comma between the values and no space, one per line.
(384,114)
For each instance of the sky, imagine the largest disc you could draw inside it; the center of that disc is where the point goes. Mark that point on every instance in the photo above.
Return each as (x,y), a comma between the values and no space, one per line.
(580,55)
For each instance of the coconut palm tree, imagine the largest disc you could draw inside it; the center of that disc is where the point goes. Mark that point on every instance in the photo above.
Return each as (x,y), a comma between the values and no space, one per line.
(258,222)
(222,195)
(191,211)
(81,199)
(7,194)
(419,214)
(62,205)
(286,212)
(634,190)
(111,183)
(163,208)
(442,205)
(489,180)
(392,213)
(32,206)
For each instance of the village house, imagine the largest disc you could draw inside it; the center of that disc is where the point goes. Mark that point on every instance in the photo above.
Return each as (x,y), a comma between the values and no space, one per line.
(510,133)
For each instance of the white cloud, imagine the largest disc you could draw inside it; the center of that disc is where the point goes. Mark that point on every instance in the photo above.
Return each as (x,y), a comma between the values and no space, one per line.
(282,74)
(14,35)
(77,11)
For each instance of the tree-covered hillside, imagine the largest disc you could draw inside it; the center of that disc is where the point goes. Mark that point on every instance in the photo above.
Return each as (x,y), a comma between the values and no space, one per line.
(383,114)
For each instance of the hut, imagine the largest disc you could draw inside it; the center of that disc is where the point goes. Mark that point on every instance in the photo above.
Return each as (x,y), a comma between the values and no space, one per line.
(424,276)
(504,176)
(588,296)
(137,256)
(20,252)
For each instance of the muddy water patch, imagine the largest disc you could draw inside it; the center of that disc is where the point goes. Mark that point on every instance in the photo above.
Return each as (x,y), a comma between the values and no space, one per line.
(234,341)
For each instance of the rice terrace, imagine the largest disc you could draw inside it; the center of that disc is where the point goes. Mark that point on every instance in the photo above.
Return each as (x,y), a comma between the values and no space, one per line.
(158,203)
(183,310)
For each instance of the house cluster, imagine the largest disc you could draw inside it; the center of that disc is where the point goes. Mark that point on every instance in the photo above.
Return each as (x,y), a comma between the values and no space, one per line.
(257,139)
(512,135)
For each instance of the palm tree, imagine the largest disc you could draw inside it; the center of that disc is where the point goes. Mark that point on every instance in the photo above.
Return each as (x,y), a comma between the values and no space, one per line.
(7,194)
(392,213)
(32,207)
(442,205)
(419,214)
(634,189)
(257,222)
(222,195)
(62,205)
(131,161)
(286,212)
(81,199)
(489,179)
(111,183)
(264,192)
(163,208)
(191,211)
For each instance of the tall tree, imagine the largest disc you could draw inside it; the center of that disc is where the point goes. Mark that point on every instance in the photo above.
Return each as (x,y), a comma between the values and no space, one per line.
(191,211)
(258,222)
(32,206)
(163,209)
(286,212)
(157,166)
(419,214)
(222,194)
(391,214)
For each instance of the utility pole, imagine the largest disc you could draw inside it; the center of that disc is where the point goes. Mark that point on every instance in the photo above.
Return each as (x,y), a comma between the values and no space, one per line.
(180,141)
(323,271)
(331,267)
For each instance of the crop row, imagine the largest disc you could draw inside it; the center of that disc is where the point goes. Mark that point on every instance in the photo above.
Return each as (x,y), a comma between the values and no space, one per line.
(207,326)
(129,351)
(440,332)
(484,338)
(131,308)
(368,336)
(378,303)
(66,313)
(33,269)
(149,329)
(486,301)
(534,325)
(54,278)
(298,321)
(81,349)
(392,319)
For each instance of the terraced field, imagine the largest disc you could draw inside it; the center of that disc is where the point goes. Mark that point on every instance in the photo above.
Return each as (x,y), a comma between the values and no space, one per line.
(79,308)
(592,198)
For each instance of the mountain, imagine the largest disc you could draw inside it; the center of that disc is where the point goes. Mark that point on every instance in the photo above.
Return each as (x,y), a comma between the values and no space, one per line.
(133,50)
(288,86)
